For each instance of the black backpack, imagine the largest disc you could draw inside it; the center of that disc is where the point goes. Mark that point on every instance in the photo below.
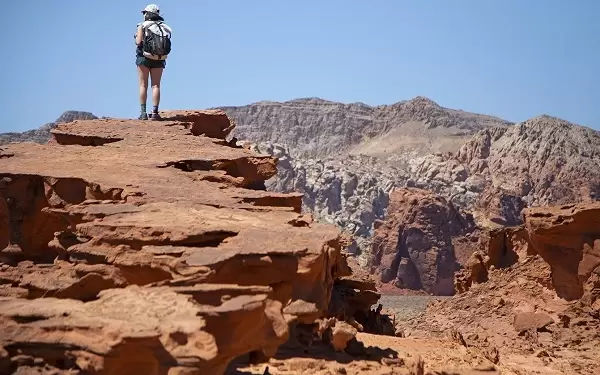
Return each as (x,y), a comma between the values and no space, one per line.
(157,45)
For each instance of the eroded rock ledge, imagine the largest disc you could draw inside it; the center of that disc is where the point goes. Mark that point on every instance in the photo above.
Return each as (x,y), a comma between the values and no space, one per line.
(152,246)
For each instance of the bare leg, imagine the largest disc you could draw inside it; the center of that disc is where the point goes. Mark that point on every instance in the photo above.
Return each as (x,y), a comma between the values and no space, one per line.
(156,75)
(143,78)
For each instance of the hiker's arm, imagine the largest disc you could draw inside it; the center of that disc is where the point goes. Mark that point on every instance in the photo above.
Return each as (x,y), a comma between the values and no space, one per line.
(138,36)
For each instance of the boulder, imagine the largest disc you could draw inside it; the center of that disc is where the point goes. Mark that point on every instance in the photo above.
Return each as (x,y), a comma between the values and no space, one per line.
(341,333)
(525,321)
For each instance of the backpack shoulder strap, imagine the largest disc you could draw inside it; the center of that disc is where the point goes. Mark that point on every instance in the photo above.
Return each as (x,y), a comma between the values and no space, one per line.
(158,23)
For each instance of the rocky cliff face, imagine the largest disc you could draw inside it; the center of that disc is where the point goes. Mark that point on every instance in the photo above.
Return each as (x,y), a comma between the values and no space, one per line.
(150,247)
(42,134)
(353,192)
(347,158)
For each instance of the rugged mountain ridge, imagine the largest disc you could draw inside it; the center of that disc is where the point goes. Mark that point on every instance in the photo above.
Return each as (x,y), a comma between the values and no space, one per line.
(317,128)
(541,161)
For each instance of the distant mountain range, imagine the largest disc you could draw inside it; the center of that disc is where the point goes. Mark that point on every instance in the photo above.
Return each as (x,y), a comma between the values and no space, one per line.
(317,127)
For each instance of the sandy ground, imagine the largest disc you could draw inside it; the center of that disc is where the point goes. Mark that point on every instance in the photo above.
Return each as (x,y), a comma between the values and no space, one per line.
(384,355)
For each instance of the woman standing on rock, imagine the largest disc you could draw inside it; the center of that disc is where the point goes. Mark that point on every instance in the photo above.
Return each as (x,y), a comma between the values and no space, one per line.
(153,41)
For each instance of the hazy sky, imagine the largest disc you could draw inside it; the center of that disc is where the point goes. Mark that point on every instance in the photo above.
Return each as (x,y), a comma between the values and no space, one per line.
(515,59)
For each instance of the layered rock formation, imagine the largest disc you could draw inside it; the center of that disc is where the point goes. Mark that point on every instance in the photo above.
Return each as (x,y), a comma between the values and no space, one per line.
(42,134)
(540,304)
(543,161)
(148,247)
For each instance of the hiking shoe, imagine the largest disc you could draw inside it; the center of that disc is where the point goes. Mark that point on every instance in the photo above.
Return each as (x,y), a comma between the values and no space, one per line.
(143,116)
(155,117)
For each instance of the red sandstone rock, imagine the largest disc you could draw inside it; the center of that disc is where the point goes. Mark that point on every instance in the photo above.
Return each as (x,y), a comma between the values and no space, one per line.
(210,123)
(141,330)
(554,277)
(133,227)
(509,312)
(499,248)
(341,333)
(352,298)
(505,246)
(62,279)
(568,238)
(475,271)
(528,320)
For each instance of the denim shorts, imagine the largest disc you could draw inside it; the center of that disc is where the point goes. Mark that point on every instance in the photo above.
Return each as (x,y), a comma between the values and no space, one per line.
(149,63)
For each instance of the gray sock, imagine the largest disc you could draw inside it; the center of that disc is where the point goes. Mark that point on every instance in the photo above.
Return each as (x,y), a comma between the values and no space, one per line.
(143,108)
(155,109)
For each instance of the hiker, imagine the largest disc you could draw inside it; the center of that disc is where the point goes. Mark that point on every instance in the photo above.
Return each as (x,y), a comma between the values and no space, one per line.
(153,41)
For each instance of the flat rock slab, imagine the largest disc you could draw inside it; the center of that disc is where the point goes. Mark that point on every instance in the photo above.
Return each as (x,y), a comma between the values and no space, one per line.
(529,320)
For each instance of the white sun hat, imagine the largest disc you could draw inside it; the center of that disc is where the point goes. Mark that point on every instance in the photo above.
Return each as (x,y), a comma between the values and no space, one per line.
(151,8)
